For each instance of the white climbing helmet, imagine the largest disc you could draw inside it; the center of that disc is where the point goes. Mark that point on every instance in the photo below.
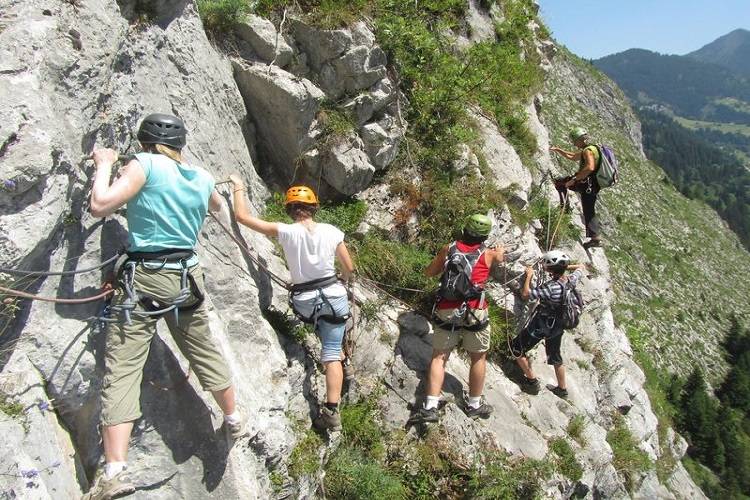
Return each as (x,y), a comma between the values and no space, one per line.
(556,259)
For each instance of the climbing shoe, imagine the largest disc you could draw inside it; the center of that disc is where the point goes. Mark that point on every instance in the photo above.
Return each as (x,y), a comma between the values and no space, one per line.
(328,419)
(484,410)
(105,489)
(529,384)
(592,244)
(348,369)
(425,416)
(559,392)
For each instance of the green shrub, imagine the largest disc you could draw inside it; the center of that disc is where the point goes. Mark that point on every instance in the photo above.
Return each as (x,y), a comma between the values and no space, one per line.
(11,408)
(221,15)
(394,263)
(360,429)
(502,328)
(429,467)
(629,460)
(326,14)
(336,123)
(506,478)
(305,458)
(448,202)
(286,325)
(575,429)
(566,462)
(352,475)
(706,480)
(345,215)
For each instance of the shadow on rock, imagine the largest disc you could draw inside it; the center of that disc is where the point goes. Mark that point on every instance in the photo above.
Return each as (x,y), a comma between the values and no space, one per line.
(414,347)
(181,419)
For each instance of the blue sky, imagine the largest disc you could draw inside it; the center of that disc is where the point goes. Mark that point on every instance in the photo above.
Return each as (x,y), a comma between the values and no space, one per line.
(593,29)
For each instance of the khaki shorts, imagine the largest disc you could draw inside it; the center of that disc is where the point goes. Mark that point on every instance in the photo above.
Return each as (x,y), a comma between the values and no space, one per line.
(127,346)
(446,340)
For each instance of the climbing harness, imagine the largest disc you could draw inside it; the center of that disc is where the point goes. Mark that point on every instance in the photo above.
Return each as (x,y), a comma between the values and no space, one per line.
(318,286)
(152,306)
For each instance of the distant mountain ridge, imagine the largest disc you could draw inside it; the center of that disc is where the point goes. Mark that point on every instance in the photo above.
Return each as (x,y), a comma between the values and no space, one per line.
(691,88)
(731,51)
(704,141)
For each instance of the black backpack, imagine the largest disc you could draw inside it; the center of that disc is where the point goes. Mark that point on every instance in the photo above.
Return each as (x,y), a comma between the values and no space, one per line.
(455,283)
(571,307)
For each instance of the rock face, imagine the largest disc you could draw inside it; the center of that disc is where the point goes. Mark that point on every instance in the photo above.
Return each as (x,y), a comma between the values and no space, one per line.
(78,74)
(288,113)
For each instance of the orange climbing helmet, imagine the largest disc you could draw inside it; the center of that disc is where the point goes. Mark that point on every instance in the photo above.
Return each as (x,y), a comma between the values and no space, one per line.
(300,194)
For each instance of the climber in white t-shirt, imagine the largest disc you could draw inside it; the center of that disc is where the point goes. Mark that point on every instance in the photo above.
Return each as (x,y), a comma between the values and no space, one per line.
(318,295)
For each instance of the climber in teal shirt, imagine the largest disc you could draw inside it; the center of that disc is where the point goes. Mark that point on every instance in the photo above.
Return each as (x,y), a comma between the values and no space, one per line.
(167,201)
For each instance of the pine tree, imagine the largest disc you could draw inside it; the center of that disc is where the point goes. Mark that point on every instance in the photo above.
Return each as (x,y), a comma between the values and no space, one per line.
(698,422)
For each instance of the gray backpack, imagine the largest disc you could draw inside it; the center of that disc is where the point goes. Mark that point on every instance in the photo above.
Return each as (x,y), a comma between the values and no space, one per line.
(455,283)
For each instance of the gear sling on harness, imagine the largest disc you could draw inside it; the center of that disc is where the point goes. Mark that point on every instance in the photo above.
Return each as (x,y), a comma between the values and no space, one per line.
(154,306)
(317,285)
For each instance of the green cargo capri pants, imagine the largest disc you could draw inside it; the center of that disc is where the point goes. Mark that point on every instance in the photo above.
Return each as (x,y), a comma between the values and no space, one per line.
(127,346)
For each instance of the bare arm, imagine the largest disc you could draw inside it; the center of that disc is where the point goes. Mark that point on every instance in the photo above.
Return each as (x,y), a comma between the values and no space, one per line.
(347,266)
(495,256)
(215,202)
(243,215)
(436,266)
(525,291)
(106,198)
(570,155)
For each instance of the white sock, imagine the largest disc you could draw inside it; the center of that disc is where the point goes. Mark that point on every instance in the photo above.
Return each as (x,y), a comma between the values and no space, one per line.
(233,419)
(431,402)
(474,402)
(111,469)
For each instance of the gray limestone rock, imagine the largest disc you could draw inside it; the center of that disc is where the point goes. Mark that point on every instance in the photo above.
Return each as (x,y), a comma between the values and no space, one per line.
(381,141)
(503,161)
(320,45)
(283,108)
(265,40)
(346,167)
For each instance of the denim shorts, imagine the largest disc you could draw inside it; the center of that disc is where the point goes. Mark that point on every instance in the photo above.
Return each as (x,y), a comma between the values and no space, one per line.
(331,334)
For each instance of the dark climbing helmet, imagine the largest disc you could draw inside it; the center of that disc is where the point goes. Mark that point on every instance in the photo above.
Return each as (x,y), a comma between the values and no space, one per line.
(300,194)
(164,129)
(478,225)
(556,260)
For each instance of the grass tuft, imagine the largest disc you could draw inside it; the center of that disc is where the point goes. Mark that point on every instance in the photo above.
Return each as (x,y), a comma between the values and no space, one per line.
(220,16)
(566,462)
(629,460)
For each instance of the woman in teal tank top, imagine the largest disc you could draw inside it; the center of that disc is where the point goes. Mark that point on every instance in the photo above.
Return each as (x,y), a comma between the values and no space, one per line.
(167,201)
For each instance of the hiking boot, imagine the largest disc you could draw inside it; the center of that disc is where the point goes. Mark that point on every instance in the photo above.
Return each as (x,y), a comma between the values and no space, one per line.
(348,369)
(328,419)
(592,244)
(105,489)
(425,416)
(483,411)
(559,392)
(235,431)
(530,384)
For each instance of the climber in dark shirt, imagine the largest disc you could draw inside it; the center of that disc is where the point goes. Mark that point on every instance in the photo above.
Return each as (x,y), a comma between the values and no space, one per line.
(545,324)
